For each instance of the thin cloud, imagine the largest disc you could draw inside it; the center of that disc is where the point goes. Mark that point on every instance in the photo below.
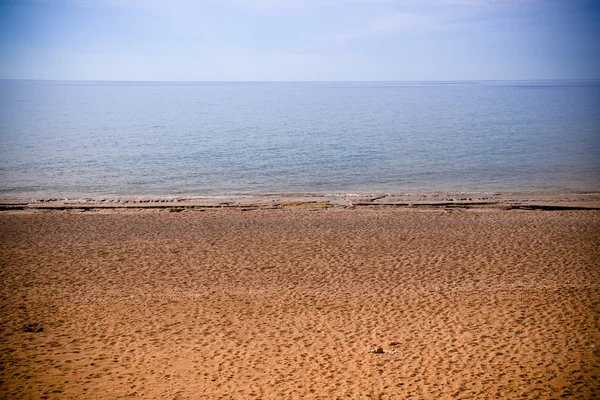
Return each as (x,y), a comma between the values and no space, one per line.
(393,24)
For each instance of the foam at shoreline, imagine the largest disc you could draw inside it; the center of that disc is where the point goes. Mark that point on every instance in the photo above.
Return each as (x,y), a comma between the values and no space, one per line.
(521,200)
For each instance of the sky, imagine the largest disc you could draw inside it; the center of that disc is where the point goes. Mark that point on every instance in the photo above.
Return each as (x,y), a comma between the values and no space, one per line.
(299,40)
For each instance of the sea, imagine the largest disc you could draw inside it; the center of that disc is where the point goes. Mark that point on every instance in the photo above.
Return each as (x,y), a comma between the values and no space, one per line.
(76,139)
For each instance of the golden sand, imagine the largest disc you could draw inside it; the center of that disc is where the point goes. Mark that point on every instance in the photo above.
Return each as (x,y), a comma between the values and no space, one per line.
(289,304)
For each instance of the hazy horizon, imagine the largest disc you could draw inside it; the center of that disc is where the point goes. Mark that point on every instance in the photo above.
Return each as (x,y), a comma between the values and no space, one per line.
(304,81)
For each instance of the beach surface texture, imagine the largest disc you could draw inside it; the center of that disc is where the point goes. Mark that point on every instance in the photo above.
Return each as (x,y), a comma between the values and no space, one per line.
(310,300)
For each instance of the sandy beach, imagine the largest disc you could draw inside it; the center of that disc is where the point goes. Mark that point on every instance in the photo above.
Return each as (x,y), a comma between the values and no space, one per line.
(290,303)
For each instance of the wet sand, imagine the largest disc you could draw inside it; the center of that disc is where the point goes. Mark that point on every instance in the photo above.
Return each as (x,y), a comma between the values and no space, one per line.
(289,303)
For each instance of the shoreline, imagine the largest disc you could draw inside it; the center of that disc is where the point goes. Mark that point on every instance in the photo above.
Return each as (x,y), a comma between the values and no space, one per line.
(434,200)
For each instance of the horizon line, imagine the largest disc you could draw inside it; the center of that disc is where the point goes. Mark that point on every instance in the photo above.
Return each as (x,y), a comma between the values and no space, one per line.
(300,81)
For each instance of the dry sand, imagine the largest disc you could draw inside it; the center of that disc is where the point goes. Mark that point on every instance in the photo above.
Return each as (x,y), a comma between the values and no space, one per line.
(287,304)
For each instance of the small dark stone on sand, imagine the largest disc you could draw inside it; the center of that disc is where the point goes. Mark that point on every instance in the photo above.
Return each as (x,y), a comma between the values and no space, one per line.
(34,327)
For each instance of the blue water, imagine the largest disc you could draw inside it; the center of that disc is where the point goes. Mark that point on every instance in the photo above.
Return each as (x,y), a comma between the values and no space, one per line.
(155,139)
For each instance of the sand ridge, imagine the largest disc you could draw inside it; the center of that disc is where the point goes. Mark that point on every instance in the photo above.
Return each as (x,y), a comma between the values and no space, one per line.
(289,303)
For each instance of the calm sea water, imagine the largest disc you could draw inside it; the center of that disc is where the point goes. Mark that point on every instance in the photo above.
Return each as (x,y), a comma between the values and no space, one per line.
(155,139)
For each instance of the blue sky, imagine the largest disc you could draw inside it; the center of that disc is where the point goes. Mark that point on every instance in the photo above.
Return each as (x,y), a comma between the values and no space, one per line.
(299,40)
